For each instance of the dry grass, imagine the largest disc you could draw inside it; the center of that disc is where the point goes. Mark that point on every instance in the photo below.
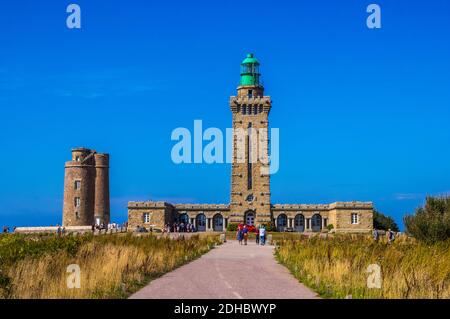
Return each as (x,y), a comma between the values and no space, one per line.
(337,267)
(111,266)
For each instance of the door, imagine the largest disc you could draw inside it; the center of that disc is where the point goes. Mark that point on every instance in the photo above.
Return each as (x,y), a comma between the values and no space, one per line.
(299,223)
(316,223)
(218,223)
(281,222)
(201,222)
(250,219)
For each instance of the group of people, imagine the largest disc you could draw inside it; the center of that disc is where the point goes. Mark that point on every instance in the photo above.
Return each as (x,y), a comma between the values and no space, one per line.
(390,235)
(180,228)
(6,229)
(60,231)
(243,233)
(107,227)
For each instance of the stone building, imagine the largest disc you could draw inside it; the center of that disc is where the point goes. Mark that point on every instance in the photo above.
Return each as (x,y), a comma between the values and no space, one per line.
(86,189)
(250,181)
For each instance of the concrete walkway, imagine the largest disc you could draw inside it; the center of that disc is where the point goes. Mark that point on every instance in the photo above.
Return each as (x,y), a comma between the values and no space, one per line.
(229,271)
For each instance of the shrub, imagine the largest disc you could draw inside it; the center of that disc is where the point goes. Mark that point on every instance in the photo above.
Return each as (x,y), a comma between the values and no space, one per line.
(430,223)
(232,226)
(383,222)
(330,227)
(270,226)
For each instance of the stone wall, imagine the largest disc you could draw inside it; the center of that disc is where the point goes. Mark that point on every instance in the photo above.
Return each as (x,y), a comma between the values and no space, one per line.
(342,217)
(212,212)
(300,217)
(338,214)
(159,213)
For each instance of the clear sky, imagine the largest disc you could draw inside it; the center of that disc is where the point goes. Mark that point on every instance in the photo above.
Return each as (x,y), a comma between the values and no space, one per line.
(363,114)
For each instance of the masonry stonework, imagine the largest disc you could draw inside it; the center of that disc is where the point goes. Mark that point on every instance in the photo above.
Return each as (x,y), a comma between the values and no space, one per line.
(86,189)
(250,182)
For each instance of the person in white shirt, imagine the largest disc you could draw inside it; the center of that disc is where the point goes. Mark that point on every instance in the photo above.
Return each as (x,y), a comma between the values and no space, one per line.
(262,235)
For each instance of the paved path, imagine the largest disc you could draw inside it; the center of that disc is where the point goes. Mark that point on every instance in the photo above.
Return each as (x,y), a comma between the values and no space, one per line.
(228,271)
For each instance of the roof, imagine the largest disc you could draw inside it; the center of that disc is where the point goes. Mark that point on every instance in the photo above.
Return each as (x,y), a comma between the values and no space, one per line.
(250,59)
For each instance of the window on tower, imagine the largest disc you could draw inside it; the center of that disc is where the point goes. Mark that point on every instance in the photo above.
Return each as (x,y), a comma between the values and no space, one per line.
(77,201)
(355,218)
(250,94)
(77,185)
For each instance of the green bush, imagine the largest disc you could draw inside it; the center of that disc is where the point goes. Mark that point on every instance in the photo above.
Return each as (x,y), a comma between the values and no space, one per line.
(330,227)
(430,223)
(232,226)
(270,227)
(381,221)
(14,247)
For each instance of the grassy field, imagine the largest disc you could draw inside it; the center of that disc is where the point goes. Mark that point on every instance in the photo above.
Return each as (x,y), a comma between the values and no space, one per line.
(338,267)
(111,266)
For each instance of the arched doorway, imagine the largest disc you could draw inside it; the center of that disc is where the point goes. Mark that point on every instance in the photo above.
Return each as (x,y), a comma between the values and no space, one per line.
(281,222)
(200,221)
(249,218)
(299,223)
(218,222)
(183,218)
(316,223)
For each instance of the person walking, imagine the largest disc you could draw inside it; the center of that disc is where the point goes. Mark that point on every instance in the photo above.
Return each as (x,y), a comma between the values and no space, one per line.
(257,235)
(239,235)
(245,234)
(262,235)
(375,234)
(390,236)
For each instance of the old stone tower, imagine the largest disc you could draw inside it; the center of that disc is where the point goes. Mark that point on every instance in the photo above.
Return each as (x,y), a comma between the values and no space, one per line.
(250,180)
(86,189)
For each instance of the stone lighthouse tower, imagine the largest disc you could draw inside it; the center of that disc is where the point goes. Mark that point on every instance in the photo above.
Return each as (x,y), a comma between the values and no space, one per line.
(250,180)
(86,189)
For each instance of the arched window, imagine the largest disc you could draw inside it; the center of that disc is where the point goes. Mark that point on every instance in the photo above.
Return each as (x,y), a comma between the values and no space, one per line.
(316,223)
(218,222)
(281,222)
(201,222)
(184,218)
(299,223)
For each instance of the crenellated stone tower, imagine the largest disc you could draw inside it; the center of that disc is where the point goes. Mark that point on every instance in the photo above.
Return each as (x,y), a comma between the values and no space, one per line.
(86,189)
(250,180)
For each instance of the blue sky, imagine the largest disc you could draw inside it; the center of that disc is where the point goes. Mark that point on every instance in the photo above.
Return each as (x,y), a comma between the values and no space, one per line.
(363,114)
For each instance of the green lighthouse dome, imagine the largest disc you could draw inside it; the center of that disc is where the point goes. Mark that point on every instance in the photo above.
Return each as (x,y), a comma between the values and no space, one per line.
(250,71)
